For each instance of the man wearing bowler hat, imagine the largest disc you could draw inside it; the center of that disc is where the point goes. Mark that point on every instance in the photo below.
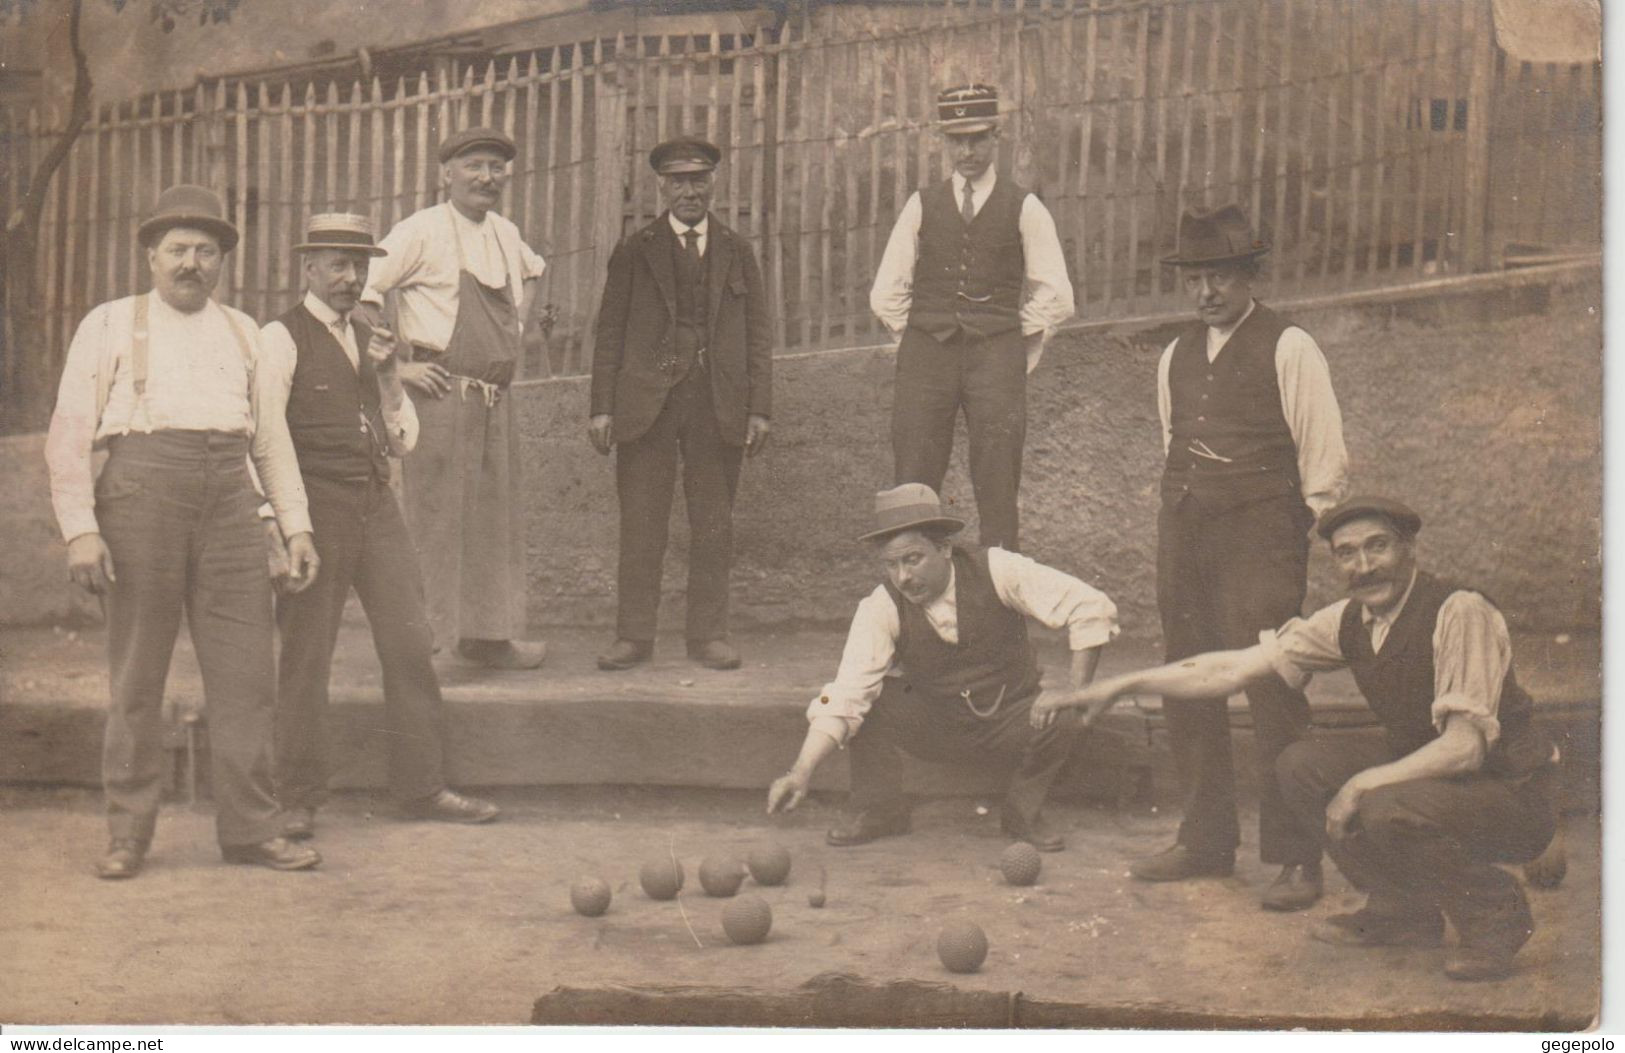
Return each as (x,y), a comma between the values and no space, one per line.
(1464,777)
(938,665)
(465,280)
(1254,445)
(973,279)
(171,386)
(338,384)
(683,365)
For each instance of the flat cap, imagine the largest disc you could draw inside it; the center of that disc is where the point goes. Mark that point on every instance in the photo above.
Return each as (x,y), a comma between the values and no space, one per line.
(685,154)
(1402,516)
(469,138)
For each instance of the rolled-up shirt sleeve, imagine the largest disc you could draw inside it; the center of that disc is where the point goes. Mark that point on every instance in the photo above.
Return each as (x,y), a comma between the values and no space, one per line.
(402,425)
(871,647)
(271,447)
(403,247)
(1047,299)
(1056,599)
(1472,652)
(1306,646)
(74,422)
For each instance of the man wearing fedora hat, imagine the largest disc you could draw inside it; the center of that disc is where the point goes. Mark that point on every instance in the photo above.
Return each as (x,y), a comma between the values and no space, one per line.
(1464,778)
(683,365)
(1254,445)
(338,383)
(465,280)
(170,385)
(938,665)
(972,279)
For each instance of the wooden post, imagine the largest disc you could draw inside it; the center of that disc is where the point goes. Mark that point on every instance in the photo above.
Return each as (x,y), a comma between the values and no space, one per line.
(1480,38)
(1137,198)
(1379,176)
(609,168)
(292,210)
(1429,46)
(1086,135)
(1283,144)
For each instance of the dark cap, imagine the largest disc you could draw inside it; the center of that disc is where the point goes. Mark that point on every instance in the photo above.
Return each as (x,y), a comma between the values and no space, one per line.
(188,205)
(1221,235)
(469,138)
(1400,516)
(967,109)
(687,154)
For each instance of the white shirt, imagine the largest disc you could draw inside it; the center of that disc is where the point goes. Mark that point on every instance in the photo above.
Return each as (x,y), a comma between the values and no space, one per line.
(422,265)
(1307,402)
(1046,299)
(702,228)
(1052,597)
(282,358)
(197,380)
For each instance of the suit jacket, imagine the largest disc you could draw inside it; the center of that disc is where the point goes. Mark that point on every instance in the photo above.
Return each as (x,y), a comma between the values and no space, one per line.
(632,363)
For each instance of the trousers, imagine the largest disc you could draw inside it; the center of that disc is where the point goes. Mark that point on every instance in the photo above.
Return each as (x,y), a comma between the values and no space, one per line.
(364,545)
(178,514)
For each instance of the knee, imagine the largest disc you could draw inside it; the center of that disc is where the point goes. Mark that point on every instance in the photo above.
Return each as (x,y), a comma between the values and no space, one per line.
(1389,812)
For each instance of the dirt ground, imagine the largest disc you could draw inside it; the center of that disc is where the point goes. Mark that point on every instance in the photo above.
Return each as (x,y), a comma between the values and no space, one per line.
(409,923)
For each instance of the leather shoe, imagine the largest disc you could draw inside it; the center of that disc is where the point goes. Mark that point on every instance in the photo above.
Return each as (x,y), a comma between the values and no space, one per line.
(449,806)
(625,654)
(1365,928)
(299,824)
(1179,863)
(1478,963)
(866,826)
(714,654)
(1297,887)
(1035,832)
(123,860)
(503,654)
(278,853)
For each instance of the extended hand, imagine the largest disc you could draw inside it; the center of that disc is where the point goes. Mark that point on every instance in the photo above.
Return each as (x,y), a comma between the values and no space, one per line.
(787,791)
(756,432)
(425,378)
(276,554)
(599,430)
(1341,812)
(302,561)
(90,564)
(1047,705)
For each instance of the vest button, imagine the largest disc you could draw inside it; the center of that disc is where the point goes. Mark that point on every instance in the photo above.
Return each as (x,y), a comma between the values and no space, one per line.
(1201,418)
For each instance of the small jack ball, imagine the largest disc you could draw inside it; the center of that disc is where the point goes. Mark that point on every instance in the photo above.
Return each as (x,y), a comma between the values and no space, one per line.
(661,878)
(721,875)
(815,898)
(770,865)
(1020,864)
(747,919)
(590,896)
(962,947)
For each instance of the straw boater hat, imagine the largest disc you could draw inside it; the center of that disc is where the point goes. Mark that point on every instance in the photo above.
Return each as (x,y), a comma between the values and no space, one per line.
(685,154)
(1399,515)
(187,205)
(470,138)
(968,109)
(912,506)
(1220,236)
(339,230)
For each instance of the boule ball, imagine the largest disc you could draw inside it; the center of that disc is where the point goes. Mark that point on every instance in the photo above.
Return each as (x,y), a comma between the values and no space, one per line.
(769,865)
(590,896)
(661,878)
(1020,863)
(962,947)
(721,875)
(815,898)
(747,919)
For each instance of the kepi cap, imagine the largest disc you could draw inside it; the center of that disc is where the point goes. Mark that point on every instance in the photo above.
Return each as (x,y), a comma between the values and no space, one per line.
(188,205)
(1221,235)
(911,506)
(349,231)
(1403,518)
(967,109)
(462,142)
(685,154)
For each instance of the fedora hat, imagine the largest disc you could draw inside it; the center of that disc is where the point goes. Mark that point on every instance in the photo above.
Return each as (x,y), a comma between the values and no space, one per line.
(339,230)
(911,506)
(967,109)
(469,138)
(188,205)
(1222,235)
(1398,514)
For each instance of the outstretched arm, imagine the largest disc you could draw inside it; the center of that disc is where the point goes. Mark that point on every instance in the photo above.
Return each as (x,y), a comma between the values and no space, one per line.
(788,789)
(1215,674)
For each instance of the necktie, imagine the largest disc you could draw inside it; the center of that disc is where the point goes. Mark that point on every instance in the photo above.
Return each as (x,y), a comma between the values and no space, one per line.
(691,245)
(967,211)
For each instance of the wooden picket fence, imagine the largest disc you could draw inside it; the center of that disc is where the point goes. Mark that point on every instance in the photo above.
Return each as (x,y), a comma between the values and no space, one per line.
(1358,133)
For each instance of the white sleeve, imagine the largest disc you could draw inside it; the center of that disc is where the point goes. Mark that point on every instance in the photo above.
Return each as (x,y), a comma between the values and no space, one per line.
(1310,407)
(1047,299)
(271,448)
(74,421)
(871,646)
(404,248)
(1054,598)
(1165,401)
(893,292)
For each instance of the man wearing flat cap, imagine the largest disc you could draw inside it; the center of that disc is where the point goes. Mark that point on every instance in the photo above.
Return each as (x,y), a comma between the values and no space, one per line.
(465,280)
(938,665)
(972,280)
(1464,777)
(683,364)
(338,384)
(1254,451)
(170,386)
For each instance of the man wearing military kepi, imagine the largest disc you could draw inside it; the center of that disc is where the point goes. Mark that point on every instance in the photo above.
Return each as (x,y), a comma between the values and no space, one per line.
(465,279)
(683,364)
(973,279)
(1254,446)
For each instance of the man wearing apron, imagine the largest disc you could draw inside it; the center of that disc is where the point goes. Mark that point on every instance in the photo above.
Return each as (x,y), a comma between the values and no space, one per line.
(464,277)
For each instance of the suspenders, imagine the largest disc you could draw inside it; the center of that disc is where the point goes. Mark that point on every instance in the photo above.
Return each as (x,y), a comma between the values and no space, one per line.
(139,352)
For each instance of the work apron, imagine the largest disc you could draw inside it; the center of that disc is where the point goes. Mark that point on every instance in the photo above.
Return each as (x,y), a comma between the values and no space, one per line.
(460,485)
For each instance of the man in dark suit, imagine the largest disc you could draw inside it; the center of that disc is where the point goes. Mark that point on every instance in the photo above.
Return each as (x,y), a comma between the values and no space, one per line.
(683,364)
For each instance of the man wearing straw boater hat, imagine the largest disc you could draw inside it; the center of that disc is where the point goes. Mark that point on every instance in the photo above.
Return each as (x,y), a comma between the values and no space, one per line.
(465,280)
(338,383)
(973,279)
(1254,445)
(171,386)
(938,665)
(683,364)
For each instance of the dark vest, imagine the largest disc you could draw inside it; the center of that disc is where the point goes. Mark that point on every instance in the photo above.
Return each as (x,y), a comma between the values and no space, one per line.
(329,400)
(969,277)
(993,652)
(693,286)
(1398,683)
(1231,407)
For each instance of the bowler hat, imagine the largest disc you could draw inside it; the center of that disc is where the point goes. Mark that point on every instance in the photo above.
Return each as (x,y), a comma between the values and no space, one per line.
(967,109)
(684,154)
(188,205)
(911,506)
(469,138)
(339,230)
(1222,235)
(1401,516)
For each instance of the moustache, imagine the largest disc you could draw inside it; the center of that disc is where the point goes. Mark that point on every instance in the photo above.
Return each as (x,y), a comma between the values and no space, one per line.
(1365,581)
(188,276)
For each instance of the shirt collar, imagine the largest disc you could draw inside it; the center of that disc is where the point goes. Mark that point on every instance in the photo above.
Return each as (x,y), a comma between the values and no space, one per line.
(324,314)
(1248,313)
(980,185)
(678,227)
(1368,617)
